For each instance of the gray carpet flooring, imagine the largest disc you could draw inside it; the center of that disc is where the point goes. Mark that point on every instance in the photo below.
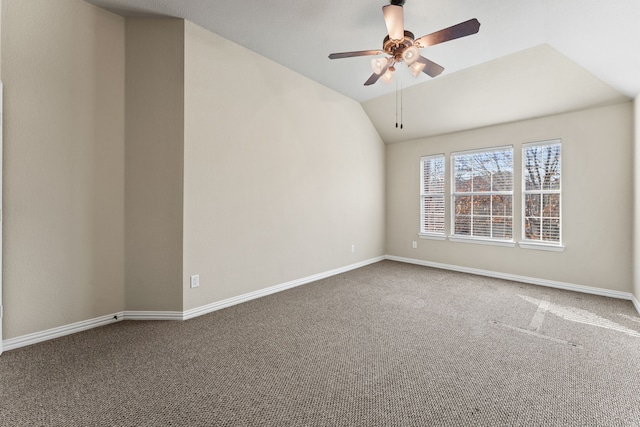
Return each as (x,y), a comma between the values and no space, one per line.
(389,344)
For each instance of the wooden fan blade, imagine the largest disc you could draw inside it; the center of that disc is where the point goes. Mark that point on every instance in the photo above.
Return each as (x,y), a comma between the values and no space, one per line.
(394,19)
(375,76)
(356,53)
(431,69)
(463,29)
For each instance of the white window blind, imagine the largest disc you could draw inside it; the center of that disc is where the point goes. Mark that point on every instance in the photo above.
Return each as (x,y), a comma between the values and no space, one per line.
(482,196)
(541,192)
(432,195)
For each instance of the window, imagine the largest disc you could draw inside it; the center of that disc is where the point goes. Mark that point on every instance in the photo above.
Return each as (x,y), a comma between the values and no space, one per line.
(541,192)
(482,196)
(432,196)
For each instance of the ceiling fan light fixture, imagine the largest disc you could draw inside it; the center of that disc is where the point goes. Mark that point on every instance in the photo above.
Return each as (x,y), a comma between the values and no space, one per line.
(416,68)
(378,65)
(402,46)
(388,76)
(410,55)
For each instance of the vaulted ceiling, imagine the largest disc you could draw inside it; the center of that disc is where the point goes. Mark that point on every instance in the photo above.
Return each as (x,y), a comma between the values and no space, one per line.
(529,59)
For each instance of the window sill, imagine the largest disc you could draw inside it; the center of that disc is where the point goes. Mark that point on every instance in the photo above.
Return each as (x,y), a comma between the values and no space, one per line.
(432,236)
(480,241)
(541,246)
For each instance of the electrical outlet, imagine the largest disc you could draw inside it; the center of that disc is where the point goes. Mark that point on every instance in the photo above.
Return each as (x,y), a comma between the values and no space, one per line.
(353,248)
(195,281)
(414,245)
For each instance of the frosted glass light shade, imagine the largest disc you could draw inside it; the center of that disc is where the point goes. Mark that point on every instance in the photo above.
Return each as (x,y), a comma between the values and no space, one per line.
(410,55)
(416,68)
(387,77)
(378,65)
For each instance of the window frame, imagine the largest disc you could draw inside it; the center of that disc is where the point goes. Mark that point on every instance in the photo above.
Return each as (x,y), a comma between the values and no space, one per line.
(424,194)
(453,193)
(525,242)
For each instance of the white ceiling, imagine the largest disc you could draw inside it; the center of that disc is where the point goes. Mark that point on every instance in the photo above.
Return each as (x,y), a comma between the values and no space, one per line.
(599,37)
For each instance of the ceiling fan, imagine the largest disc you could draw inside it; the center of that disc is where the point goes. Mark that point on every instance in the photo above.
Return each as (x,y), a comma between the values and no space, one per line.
(401,45)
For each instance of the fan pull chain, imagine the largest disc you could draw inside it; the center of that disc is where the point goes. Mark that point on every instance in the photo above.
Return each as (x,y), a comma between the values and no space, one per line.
(396,104)
(401,105)
(399,95)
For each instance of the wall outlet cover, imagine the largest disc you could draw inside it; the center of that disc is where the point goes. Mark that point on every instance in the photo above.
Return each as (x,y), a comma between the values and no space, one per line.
(195,281)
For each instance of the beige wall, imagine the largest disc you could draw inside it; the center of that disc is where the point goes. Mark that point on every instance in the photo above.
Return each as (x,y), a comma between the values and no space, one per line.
(636,213)
(63,73)
(81,81)
(154,163)
(282,175)
(596,207)
(1,39)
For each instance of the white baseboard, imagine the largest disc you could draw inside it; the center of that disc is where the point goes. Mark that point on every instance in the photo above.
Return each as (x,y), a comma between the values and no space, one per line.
(636,303)
(152,315)
(25,340)
(524,279)
(49,334)
(199,311)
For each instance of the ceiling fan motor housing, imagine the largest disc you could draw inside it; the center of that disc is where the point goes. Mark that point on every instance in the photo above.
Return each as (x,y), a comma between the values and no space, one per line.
(395,49)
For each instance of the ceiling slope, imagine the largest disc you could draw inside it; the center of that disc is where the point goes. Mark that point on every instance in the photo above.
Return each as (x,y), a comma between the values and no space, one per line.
(599,36)
(535,82)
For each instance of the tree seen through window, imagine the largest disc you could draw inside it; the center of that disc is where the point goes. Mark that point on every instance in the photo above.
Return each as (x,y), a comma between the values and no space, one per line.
(483,194)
